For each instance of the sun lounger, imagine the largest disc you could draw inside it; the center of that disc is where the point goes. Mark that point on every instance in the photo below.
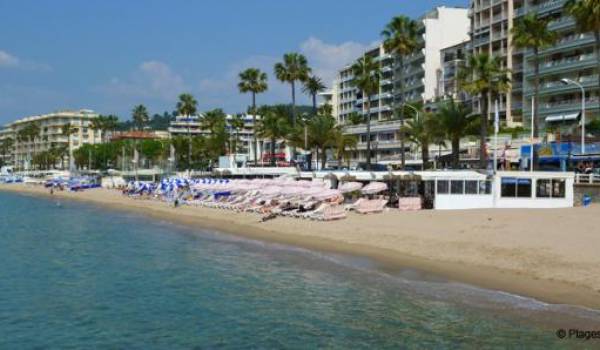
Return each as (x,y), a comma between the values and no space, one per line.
(331,212)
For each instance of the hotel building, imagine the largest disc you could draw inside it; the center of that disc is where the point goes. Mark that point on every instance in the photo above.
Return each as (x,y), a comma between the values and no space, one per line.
(51,134)
(440,28)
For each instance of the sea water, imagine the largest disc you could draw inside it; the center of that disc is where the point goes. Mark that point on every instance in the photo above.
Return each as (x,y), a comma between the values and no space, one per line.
(78,276)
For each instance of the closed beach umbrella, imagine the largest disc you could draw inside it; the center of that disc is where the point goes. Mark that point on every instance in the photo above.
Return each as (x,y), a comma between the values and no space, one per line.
(374,187)
(348,187)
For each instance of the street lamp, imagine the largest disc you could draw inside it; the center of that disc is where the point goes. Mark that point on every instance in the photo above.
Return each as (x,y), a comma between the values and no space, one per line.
(567,82)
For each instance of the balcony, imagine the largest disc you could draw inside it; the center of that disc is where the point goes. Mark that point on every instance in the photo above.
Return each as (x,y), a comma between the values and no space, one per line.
(557,86)
(384,82)
(547,6)
(376,126)
(499,17)
(569,106)
(571,41)
(578,63)
(561,23)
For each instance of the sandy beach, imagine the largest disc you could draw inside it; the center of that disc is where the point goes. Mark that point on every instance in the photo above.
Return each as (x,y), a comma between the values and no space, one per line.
(549,254)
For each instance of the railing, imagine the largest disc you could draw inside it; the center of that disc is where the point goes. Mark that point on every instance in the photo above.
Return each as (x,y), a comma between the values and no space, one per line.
(587,179)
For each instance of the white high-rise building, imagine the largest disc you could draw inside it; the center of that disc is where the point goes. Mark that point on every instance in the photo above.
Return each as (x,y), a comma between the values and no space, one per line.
(440,28)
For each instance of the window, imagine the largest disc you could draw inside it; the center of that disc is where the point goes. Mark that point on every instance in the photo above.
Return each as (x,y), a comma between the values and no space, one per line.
(485,187)
(443,187)
(550,188)
(457,186)
(524,188)
(512,187)
(470,187)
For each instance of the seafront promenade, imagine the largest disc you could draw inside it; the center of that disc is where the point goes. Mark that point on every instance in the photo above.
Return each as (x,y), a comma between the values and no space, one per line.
(548,254)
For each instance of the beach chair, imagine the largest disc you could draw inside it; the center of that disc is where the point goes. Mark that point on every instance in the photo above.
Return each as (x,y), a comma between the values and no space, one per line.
(315,214)
(352,206)
(331,212)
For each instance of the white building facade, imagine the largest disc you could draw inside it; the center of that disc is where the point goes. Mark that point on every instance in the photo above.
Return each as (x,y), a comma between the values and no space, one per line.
(51,127)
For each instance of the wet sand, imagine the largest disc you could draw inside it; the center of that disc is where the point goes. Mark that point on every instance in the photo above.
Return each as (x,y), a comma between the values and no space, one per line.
(552,255)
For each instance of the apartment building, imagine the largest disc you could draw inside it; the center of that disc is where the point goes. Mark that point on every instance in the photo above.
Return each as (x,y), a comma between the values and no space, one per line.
(51,134)
(185,125)
(573,58)
(491,25)
(452,59)
(440,28)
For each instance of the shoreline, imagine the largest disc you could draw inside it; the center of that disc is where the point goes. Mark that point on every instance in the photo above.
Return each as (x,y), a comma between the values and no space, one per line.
(555,268)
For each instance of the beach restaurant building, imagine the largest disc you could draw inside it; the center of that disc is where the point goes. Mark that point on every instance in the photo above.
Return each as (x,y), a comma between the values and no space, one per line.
(474,190)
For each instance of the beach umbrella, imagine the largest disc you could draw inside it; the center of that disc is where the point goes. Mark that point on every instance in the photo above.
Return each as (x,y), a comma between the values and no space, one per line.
(327,194)
(374,187)
(348,187)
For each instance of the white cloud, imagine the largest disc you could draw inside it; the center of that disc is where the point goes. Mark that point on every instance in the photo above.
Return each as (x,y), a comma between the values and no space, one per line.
(8,60)
(151,79)
(326,58)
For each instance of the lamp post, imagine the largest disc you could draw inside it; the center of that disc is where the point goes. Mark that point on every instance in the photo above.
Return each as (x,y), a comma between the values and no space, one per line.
(567,82)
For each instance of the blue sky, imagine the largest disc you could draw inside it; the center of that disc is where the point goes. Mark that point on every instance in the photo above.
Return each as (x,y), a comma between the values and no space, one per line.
(110,55)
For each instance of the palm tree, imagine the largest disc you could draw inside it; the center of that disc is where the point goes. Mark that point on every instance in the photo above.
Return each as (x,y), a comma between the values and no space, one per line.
(237,123)
(6,147)
(140,116)
(99,123)
(587,19)
(401,37)
(273,126)
(483,76)
(312,86)
(253,80)
(344,143)
(532,32)
(215,121)
(322,133)
(68,130)
(455,120)
(421,131)
(293,68)
(29,134)
(187,107)
(367,74)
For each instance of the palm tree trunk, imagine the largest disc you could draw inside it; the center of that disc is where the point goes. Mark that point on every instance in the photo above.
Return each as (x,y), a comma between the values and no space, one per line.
(189,146)
(368,107)
(314,102)
(293,115)
(536,91)
(323,158)
(425,155)
(455,152)
(254,138)
(483,132)
(273,152)
(401,87)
